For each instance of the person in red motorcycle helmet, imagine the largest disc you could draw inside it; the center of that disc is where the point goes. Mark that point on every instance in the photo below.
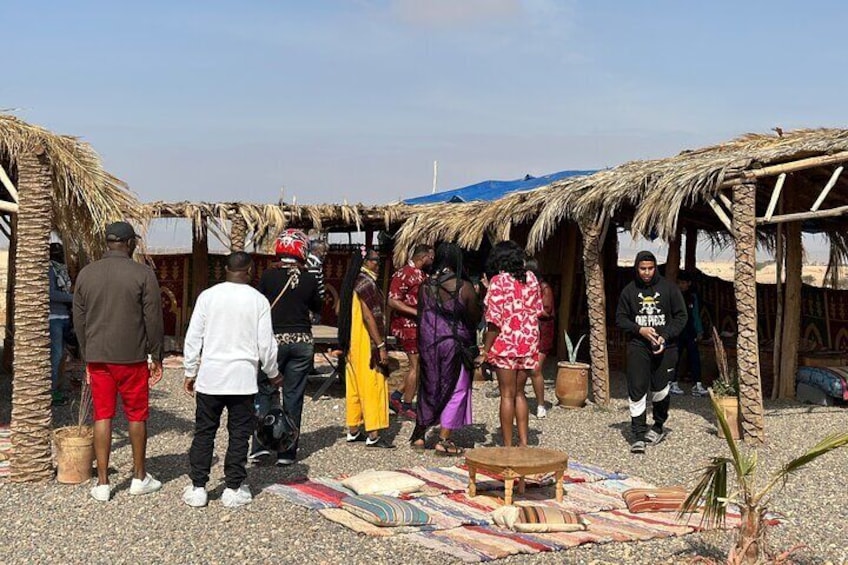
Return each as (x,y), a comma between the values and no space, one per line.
(293,292)
(292,244)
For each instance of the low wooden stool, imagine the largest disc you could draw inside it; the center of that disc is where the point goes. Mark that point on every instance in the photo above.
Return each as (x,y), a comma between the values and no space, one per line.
(515,463)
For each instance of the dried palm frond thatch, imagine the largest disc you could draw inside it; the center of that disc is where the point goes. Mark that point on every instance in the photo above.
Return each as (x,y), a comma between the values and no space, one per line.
(85,196)
(267,220)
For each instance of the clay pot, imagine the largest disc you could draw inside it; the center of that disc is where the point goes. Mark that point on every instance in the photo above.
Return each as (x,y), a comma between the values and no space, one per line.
(729,406)
(74,454)
(572,384)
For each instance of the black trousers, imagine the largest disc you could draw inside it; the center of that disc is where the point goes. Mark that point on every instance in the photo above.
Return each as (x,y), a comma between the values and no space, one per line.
(649,373)
(207,419)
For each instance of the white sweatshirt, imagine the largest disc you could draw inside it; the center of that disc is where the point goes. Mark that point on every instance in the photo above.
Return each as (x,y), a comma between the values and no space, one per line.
(229,337)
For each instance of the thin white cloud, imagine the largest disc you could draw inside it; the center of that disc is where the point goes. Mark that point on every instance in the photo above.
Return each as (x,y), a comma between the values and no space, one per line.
(450,13)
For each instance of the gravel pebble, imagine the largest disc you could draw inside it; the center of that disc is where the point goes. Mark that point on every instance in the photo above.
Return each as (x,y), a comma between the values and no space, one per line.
(61,523)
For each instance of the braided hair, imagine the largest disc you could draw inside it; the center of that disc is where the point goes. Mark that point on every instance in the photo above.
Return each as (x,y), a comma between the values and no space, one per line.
(346,299)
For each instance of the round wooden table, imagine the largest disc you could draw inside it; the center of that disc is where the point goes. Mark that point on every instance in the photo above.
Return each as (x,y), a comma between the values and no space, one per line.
(515,463)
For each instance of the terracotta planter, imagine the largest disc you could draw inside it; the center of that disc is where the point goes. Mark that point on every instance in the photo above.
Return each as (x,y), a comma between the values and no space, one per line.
(730,408)
(74,454)
(572,384)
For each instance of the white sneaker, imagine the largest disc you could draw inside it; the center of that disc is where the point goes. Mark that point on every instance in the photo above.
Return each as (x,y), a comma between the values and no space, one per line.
(101,493)
(675,389)
(541,413)
(195,496)
(233,498)
(699,390)
(148,485)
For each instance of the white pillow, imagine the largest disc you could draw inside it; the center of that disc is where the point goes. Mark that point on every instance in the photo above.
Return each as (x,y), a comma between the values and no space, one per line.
(383,482)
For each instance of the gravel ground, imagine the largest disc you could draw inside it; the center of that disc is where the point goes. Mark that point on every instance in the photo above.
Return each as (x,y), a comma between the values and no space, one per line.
(61,523)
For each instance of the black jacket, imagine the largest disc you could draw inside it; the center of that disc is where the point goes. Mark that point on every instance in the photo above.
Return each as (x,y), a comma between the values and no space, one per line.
(291,314)
(657,304)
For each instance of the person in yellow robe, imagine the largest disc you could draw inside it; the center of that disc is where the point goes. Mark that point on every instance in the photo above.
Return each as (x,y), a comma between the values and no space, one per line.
(364,357)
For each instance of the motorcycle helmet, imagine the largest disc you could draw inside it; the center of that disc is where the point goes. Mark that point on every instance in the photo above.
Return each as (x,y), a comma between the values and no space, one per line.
(292,243)
(276,430)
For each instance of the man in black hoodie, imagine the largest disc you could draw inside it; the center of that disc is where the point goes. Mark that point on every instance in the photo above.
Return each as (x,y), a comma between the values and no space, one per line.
(652,313)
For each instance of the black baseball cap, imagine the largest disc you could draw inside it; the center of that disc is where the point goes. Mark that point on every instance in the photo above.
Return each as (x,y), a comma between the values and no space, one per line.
(120,231)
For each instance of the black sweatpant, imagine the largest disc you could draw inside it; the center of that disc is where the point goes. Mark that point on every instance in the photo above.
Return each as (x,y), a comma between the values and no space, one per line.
(646,373)
(207,419)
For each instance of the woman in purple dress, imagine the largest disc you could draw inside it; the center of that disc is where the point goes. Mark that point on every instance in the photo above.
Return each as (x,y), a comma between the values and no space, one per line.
(448,312)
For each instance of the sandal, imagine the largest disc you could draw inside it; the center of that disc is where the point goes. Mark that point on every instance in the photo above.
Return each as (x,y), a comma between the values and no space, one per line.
(448,449)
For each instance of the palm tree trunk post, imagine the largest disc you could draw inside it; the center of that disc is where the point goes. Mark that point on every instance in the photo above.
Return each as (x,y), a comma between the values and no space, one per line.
(745,286)
(31,416)
(238,232)
(592,233)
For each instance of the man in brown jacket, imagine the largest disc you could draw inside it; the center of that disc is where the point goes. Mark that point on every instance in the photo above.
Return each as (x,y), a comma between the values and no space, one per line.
(118,319)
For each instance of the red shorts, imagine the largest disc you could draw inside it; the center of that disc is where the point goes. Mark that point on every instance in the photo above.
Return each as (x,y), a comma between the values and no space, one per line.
(131,381)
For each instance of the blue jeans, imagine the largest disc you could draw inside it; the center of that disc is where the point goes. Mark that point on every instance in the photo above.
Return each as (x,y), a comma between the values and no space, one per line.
(60,328)
(294,361)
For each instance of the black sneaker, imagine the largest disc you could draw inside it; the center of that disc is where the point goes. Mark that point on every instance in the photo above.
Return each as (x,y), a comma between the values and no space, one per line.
(637,446)
(380,443)
(355,438)
(654,438)
(258,455)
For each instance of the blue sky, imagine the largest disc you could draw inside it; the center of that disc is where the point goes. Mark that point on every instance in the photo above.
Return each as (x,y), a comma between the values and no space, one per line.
(355,99)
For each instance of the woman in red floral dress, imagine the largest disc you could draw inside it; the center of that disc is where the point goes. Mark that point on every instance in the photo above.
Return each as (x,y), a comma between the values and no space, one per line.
(513,306)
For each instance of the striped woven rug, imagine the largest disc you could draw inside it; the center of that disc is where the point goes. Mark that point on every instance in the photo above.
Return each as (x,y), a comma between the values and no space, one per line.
(5,451)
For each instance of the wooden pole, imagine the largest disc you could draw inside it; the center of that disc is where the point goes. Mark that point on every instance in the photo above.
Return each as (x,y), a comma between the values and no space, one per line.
(569,263)
(780,242)
(199,257)
(7,182)
(826,190)
(238,232)
(791,334)
(596,296)
(672,259)
(745,287)
(775,195)
(31,458)
(691,249)
(800,165)
(9,338)
(801,216)
(722,215)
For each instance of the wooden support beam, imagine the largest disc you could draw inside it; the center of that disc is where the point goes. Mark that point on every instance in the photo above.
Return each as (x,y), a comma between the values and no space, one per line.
(722,215)
(801,216)
(800,165)
(7,182)
(791,333)
(726,201)
(775,195)
(672,259)
(826,190)
(199,258)
(780,242)
(691,249)
(10,207)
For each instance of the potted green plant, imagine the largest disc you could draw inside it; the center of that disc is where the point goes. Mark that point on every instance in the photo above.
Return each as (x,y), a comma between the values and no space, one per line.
(74,445)
(712,494)
(725,389)
(572,382)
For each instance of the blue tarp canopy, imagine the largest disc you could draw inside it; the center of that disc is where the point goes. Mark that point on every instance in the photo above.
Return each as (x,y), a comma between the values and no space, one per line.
(493,189)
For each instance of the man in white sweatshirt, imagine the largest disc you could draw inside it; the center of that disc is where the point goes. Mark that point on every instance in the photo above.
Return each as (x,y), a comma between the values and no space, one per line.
(228,339)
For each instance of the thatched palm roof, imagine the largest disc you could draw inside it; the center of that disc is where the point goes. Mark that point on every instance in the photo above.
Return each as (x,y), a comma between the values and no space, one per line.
(269,219)
(652,195)
(85,196)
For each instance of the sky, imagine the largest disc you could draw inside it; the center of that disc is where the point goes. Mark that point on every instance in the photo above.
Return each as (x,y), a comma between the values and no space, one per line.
(327,101)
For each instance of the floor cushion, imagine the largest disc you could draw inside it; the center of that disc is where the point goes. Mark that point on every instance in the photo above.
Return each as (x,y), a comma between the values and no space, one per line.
(538,519)
(667,499)
(382,510)
(383,482)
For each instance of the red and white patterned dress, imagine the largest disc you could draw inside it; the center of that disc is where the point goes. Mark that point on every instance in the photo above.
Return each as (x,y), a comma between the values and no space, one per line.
(515,309)
(404,288)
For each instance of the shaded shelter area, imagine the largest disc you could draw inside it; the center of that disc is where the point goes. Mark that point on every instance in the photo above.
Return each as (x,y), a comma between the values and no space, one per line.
(254,228)
(47,181)
(754,190)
